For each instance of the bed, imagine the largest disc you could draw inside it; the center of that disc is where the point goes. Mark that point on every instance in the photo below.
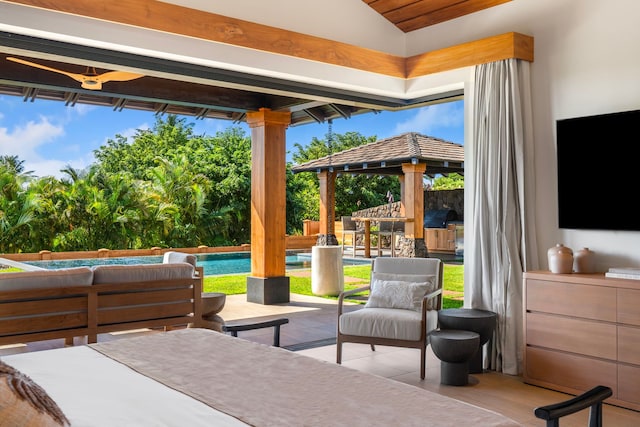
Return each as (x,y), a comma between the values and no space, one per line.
(199,377)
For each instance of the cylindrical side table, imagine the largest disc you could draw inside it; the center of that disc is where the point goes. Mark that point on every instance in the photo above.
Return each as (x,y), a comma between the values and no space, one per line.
(454,349)
(327,275)
(483,322)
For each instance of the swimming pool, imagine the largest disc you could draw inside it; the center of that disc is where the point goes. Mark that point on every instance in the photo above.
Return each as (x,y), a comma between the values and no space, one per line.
(213,264)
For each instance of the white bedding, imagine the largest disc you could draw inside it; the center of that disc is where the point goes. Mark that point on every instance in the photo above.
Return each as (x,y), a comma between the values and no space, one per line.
(94,390)
(177,378)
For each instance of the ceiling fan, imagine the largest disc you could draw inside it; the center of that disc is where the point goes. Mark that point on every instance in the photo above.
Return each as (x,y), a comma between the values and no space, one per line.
(90,79)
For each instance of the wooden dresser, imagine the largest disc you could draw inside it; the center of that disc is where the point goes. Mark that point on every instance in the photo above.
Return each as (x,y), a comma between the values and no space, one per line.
(582,330)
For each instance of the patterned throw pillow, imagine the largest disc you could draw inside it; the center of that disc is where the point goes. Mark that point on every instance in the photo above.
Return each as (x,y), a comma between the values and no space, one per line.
(23,403)
(398,294)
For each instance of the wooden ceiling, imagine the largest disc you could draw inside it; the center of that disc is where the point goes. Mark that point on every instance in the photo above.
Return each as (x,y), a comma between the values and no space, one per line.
(410,15)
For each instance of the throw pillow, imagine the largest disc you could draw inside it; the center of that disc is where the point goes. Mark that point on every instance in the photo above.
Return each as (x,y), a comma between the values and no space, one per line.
(23,403)
(398,294)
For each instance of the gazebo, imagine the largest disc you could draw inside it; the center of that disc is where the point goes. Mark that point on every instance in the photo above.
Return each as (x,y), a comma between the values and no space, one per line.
(410,156)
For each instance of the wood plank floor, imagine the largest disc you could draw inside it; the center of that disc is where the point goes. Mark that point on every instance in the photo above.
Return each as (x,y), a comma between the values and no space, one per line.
(311,331)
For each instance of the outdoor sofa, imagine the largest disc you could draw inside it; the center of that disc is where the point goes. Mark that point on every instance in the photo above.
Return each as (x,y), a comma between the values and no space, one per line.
(82,301)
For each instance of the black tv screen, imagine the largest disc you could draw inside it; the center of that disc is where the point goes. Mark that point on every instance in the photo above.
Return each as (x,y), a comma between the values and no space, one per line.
(599,171)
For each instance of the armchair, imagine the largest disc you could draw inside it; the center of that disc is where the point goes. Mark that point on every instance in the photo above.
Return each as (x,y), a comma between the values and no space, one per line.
(592,399)
(405,295)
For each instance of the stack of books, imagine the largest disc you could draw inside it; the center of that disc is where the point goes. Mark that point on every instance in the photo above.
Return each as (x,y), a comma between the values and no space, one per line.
(624,273)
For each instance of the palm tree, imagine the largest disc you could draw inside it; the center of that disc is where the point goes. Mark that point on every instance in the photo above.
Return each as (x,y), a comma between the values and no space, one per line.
(17,205)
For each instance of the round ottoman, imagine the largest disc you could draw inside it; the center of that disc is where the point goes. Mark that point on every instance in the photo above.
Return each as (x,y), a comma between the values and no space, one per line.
(454,349)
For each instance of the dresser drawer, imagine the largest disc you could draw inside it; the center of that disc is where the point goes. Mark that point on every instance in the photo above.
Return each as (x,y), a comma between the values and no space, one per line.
(629,306)
(574,335)
(629,385)
(629,344)
(569,371)
(587,301)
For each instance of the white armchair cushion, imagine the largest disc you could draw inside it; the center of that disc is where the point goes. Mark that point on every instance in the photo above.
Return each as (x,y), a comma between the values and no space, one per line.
(404,291)
(389,323)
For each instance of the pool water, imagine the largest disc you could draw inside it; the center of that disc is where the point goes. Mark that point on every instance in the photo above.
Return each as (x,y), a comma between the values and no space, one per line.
(213,264)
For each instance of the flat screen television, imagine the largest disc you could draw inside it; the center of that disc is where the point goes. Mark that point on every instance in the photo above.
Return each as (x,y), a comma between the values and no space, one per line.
(599,171)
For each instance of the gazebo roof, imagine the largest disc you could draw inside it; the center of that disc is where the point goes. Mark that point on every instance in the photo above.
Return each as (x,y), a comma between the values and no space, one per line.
(386,156)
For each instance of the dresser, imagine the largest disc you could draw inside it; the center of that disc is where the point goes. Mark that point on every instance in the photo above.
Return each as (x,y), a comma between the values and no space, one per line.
(583,330)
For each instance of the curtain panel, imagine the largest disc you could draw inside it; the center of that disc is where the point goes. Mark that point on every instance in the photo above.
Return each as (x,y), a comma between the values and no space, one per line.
(502,243)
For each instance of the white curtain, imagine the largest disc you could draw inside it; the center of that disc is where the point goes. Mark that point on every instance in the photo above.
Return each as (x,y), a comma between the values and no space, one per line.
(502,241)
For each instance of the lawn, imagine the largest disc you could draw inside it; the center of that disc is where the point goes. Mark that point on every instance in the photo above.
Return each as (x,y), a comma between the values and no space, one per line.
(237,284)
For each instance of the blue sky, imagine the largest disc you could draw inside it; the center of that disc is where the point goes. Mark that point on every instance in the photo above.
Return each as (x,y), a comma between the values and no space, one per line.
(48,136)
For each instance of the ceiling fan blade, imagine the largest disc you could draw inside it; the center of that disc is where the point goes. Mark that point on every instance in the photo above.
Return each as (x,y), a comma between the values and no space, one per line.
(89,79)
(118,76)
(74,76)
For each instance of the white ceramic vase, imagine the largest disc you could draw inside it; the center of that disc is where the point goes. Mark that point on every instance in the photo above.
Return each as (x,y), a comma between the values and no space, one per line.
(584,261)
(560,259)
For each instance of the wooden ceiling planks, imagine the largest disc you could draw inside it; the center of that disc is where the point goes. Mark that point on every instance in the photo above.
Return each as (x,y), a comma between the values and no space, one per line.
(410,15)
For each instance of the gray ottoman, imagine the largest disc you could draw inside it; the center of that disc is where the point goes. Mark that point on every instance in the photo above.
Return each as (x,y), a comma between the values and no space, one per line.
(454,348)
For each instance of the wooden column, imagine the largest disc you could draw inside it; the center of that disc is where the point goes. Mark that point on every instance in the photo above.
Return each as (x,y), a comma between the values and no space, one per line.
(413,244)
(327,233)
(402,211)
(267,283)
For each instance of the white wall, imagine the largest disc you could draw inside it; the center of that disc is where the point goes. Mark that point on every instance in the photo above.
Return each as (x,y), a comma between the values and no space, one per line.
(587,61)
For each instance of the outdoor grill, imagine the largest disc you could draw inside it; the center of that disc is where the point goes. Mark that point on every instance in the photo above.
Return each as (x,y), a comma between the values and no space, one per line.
(439,218)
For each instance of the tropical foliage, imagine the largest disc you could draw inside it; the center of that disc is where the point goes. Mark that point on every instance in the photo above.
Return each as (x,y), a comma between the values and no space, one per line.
(166,187)
(449,182)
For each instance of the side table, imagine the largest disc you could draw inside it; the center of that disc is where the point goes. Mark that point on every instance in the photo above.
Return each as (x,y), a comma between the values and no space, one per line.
(483,322)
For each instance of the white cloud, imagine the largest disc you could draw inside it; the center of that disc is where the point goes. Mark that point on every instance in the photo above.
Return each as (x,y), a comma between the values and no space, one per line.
(129,133)
(24,140)
(428,119)
(46,167)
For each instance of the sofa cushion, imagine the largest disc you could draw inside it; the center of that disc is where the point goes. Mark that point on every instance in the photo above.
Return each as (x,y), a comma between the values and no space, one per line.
(141,272)
(173,257)
(42,279)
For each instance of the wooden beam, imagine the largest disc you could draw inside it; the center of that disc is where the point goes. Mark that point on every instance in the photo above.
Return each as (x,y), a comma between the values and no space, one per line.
(180,20)
(174,19)
(490,49)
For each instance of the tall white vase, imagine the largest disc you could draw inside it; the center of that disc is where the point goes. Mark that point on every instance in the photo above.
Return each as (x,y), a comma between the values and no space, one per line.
(327,275)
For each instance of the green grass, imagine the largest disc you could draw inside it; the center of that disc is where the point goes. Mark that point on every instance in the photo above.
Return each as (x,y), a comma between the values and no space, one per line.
(237,284)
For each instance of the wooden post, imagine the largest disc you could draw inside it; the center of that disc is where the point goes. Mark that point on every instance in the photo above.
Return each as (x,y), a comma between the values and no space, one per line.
(267,283)
(413,199)
(327,233)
